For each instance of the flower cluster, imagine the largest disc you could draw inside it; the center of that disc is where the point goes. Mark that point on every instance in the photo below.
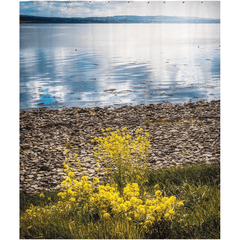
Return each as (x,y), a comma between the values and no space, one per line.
(74,190)
(128,155)
(107,202)
(110,202)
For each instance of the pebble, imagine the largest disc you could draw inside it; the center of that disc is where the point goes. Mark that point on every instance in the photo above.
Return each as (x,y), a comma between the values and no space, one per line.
(44,133)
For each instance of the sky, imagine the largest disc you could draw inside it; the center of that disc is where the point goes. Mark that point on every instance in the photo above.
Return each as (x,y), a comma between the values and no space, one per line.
(206,9)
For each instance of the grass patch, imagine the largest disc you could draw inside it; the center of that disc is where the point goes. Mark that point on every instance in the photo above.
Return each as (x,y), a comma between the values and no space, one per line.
(149,123)
(163,122)
(185,153)
(68,145)
(197,186)
(73,150)
(26,200)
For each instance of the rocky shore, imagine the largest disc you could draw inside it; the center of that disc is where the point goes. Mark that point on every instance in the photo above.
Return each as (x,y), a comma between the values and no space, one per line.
(179,133)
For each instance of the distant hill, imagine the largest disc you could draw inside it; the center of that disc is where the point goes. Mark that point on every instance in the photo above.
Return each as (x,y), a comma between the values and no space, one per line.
(117,19)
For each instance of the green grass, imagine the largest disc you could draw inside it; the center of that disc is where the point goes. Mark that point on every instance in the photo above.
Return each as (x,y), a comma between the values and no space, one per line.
(26,199)
(68,144)
(198,186)
(163,122)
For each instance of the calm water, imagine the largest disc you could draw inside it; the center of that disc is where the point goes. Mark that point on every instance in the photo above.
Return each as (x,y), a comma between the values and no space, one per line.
(87,65)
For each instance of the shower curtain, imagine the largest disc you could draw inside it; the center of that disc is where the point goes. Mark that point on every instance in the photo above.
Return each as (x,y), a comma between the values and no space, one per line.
(119,123)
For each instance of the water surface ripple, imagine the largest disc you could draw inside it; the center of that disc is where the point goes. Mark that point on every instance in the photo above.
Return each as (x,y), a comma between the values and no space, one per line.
(87,65)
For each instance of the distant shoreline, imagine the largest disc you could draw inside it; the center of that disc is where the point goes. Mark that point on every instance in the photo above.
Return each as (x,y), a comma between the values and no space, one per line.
(119,19)
(108,23)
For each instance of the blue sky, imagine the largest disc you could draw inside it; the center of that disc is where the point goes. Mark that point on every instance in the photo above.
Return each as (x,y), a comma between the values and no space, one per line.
(207,9)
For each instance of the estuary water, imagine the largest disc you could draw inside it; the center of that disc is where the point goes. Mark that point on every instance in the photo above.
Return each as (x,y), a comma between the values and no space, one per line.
(88,65)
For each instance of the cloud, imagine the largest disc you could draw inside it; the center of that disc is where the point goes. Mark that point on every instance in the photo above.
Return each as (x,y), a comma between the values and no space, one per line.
(73,11)
(207,9)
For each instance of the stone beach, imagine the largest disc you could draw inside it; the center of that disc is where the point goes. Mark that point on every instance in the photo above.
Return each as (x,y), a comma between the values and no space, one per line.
(179,133)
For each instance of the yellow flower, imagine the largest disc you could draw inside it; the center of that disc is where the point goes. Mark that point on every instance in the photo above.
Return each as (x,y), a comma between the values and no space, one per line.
(147,224)
(180,204)
(158,193)
(72,199)
(147,134)
(149,203)
(41,195)
(71,174)
(167,216)
(172,199)
(106,216)
(171,212)
(84,178)
(151,218)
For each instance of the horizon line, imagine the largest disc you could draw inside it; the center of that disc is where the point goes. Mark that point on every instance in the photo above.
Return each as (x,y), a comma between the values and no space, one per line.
(120,16)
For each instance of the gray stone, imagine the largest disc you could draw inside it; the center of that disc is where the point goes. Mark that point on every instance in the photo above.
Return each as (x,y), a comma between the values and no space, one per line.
(43,145)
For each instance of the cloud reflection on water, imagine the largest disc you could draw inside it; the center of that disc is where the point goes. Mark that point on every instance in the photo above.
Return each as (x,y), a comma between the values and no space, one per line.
(86,60)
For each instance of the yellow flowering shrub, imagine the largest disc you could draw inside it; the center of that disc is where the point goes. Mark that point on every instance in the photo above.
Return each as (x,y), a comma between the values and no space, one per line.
(128,155)
(81,197)
(90,198)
